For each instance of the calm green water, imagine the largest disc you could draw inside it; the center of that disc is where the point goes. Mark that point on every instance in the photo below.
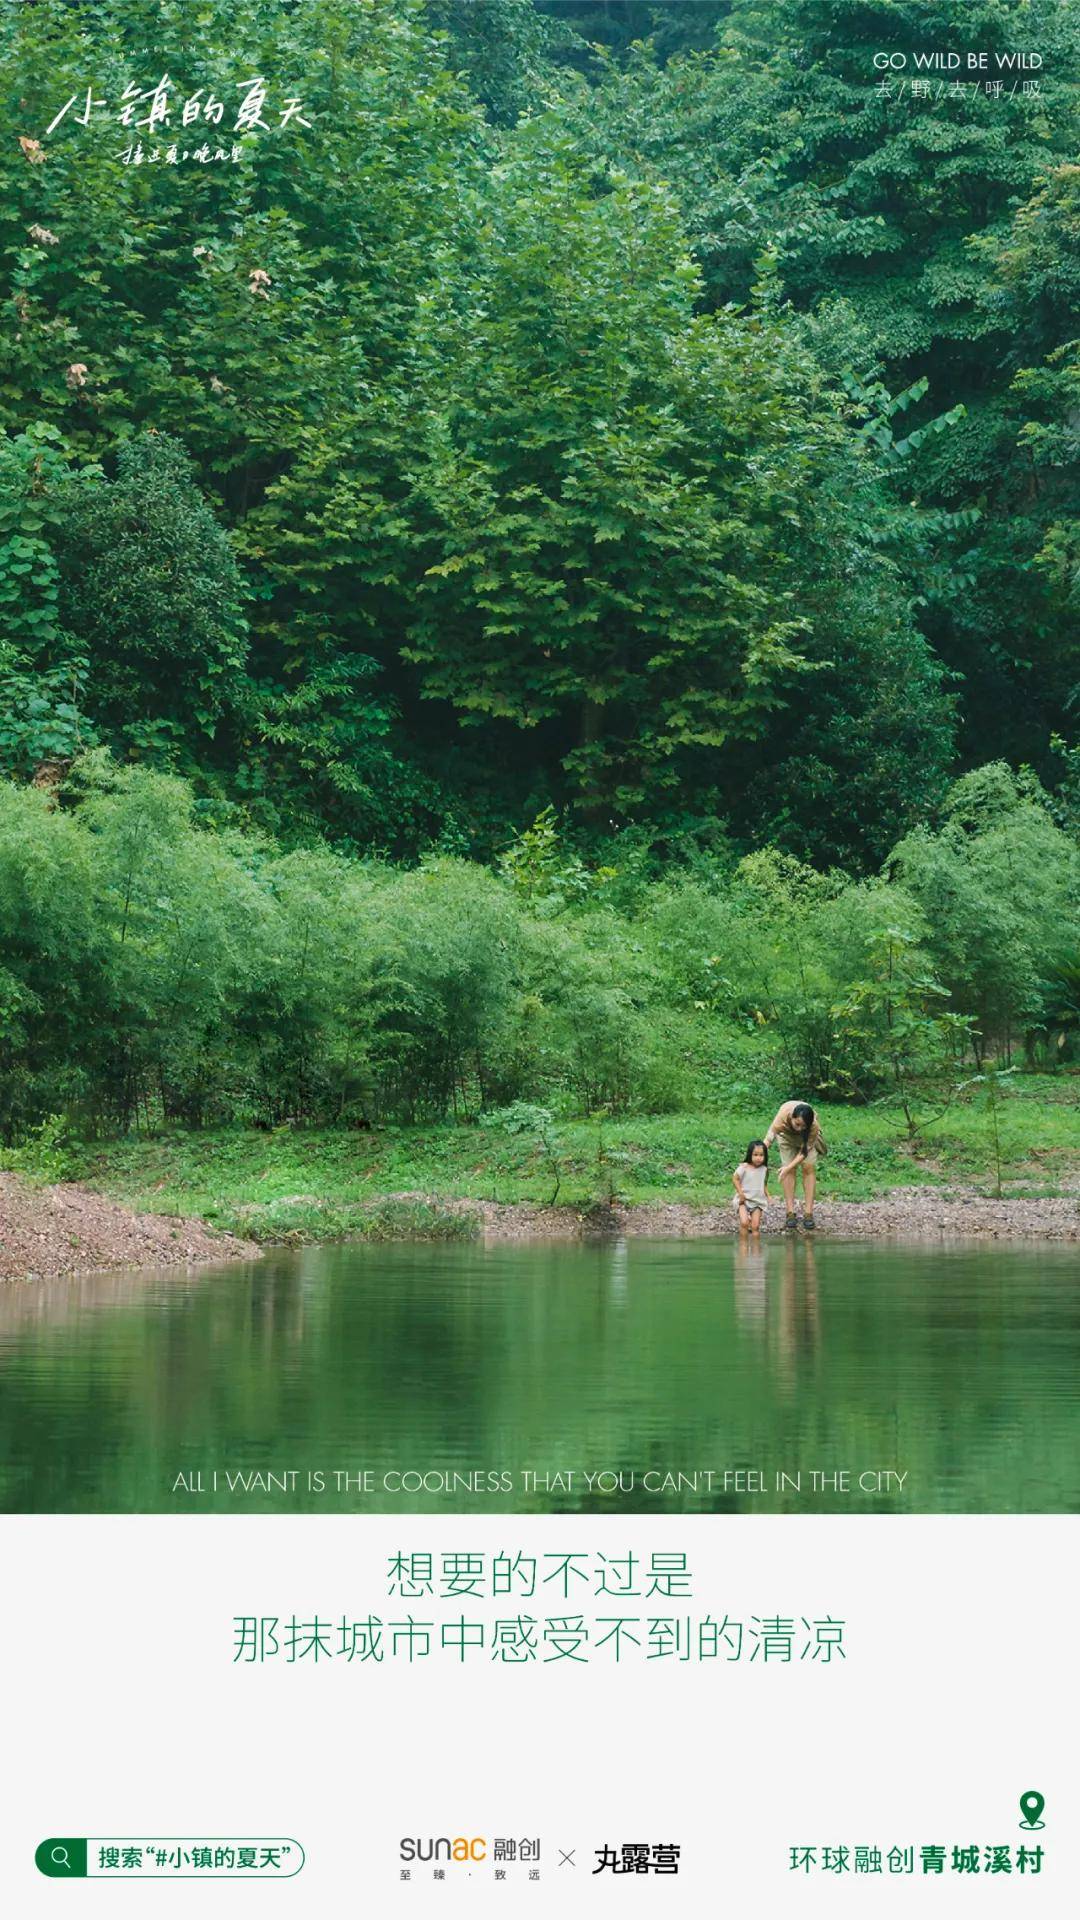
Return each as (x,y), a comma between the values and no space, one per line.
(958,1367)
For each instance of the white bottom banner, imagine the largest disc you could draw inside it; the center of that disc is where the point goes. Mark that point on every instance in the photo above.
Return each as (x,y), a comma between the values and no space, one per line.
(539,1715)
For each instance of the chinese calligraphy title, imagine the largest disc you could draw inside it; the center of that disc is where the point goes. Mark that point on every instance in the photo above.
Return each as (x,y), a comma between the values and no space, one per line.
(164,109)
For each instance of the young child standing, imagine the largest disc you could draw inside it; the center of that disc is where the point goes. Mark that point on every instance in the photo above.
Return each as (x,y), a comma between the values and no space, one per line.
(750,1180)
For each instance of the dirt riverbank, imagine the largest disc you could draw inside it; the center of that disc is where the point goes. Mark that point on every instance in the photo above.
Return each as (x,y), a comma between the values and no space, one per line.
(49,1232)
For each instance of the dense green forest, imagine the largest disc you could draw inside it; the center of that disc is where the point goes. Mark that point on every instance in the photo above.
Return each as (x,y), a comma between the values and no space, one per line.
(548,568)
(158,970)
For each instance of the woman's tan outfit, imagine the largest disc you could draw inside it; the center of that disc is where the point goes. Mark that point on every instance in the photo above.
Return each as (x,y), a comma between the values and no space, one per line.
(791,1141)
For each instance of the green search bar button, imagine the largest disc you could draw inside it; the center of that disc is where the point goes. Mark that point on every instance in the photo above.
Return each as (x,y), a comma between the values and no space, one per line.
(139,1857)
(62,1859)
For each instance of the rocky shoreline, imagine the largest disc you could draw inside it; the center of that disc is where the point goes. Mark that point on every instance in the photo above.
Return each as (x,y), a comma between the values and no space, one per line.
(52,1233)
(905,1213)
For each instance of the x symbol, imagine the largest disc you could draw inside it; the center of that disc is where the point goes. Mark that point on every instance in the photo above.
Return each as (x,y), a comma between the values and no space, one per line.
(567,1859)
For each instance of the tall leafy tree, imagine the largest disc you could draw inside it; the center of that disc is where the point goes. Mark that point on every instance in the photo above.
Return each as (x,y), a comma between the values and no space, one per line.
(630,511)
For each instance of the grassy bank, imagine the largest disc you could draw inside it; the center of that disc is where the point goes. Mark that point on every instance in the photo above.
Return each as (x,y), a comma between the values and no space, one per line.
(324,1184)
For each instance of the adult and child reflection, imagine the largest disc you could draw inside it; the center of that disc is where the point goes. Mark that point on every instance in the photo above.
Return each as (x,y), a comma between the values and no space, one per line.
(775,1290)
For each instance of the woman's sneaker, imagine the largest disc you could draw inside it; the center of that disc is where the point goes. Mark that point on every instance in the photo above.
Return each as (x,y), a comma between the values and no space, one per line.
(791,1224)
(809,1223)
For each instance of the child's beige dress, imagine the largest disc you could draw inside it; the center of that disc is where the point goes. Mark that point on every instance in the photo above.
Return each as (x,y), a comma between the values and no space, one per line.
(753,1186)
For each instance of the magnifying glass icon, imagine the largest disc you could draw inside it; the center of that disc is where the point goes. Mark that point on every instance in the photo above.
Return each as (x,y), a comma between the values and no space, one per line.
(62,1855)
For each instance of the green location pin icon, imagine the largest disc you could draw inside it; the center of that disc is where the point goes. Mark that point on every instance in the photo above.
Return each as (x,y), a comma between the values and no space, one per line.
(1031,1806)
